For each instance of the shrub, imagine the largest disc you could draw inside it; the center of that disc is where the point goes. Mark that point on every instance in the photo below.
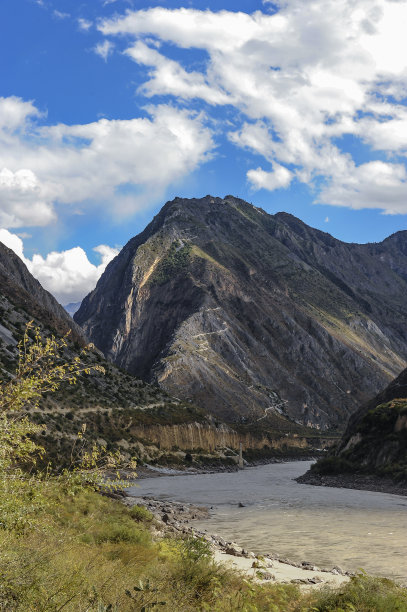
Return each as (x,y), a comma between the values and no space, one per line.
(363,594)
(141,514)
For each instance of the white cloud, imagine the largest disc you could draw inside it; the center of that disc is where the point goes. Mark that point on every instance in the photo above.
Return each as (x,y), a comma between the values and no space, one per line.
(301,78)
(170,78)
(376,184)
(15,114)
(68,275)
(104,49)
(13,242)
(84,24)
(60,14)
(279,178)
(22,200)
(102,163)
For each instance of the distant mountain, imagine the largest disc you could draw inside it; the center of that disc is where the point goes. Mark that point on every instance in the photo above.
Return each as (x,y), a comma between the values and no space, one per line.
(253,316)
(72,307)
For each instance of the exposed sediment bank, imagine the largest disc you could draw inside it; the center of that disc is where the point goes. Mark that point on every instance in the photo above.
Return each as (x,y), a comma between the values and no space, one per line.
(175,518)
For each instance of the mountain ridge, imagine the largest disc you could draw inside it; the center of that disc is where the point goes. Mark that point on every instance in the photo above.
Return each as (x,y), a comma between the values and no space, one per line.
(225,305)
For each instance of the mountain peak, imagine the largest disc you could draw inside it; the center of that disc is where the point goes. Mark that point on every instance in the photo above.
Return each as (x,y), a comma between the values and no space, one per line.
(227,306)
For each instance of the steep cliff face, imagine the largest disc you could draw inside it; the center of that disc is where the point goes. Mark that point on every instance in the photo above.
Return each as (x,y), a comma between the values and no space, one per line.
(251,315)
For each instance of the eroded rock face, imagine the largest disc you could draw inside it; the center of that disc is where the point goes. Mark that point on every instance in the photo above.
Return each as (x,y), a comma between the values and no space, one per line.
(249,314)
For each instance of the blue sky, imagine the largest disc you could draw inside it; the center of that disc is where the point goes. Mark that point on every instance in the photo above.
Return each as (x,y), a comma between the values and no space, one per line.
(110,108)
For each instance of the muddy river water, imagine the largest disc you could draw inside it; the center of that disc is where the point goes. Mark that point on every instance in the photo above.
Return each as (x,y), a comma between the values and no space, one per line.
(326,526)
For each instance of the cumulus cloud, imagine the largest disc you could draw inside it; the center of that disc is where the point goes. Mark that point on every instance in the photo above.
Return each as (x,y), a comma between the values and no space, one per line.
(101,162)
(22,201)
(374,182)
(300,78)
(279,178)
(68,275)
(168,77)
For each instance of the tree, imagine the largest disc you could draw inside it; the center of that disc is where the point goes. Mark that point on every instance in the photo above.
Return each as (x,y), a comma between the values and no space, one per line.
(43,365)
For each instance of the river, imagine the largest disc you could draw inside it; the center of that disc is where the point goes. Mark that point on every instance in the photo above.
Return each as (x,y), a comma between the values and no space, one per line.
(326,526)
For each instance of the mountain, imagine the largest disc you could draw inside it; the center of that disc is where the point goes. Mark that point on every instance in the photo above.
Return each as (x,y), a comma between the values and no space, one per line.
(21,289)
(119,411)
(373,446)
(375,439)
(72,307)
(253,317)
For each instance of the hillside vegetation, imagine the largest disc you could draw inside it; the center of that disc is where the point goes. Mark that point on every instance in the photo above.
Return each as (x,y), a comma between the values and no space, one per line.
(63,546)
(375,440)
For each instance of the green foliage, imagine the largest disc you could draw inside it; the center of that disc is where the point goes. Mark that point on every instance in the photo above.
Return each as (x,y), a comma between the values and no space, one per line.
(176,259)
(63,546)
(382,419)
(362,594)
(141,514)
(40,370)
(379,449)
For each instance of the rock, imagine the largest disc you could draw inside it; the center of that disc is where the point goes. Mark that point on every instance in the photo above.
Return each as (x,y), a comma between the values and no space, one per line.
(234,550)
(315,580)
(240,505)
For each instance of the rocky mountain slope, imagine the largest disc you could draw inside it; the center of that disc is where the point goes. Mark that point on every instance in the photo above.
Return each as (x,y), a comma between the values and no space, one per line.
(119,410)
(375,439)
(22,290)
(373,448)
(253,317)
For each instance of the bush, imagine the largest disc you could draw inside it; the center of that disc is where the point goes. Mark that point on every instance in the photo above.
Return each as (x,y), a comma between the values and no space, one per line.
(363,594)
(141,514)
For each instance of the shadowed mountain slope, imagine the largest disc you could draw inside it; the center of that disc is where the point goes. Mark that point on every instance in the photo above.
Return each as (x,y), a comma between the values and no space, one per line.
(118,410)
(373,446)
(251,315)
(19,286)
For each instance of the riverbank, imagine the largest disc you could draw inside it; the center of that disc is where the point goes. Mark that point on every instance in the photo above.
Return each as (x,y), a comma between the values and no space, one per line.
(361,482)
(174,519)
(265,510)
(156,471)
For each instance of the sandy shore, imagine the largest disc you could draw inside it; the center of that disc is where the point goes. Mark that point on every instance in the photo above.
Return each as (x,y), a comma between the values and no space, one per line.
(173,518)
(277,571)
